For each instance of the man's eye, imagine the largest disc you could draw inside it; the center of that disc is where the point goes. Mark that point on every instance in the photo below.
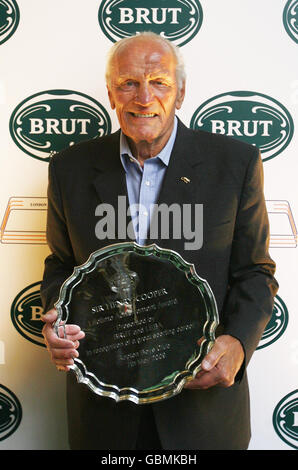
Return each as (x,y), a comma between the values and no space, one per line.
(128,84)
(158,82)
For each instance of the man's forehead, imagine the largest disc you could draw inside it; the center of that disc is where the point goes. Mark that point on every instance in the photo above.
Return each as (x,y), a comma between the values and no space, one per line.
(143,50)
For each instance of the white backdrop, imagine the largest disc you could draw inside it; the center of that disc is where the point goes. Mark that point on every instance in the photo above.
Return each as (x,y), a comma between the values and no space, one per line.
(50,45)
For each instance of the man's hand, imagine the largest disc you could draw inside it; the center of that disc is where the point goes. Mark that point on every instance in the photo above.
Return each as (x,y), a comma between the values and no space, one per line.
(220,365)
(61,350)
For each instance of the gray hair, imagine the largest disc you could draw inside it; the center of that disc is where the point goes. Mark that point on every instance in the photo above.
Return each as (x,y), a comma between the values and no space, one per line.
(180,69)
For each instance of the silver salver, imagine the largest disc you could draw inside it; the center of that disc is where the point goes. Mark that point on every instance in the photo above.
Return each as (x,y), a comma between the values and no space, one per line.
(149,320)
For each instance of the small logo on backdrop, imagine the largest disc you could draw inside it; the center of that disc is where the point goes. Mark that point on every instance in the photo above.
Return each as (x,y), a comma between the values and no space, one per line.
(290,19)
(285,419)
(9,19)
(24,221)
(49,121)
(26,311)
(176,20)
(10,412)
(283,231)
(249,116)
(277,324)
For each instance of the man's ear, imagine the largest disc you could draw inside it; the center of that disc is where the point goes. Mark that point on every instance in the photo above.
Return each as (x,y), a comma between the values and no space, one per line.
(112,102)
(180,96)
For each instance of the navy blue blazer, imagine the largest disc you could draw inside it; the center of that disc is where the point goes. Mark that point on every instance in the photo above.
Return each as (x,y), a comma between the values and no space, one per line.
(226,176)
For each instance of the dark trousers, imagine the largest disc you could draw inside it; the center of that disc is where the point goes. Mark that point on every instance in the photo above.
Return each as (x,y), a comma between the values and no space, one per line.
(148,438)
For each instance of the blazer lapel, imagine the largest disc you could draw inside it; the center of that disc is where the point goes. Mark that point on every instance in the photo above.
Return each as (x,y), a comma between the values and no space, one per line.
(180,185)
(110,186)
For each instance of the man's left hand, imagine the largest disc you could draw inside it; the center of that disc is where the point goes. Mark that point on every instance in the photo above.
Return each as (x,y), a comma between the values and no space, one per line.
(220,365)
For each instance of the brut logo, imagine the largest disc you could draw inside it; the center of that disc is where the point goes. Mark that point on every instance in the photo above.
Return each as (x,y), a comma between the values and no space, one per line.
(285,419)
(50,121)
(277,324)
(249,116)
(10,412)
(176,20)
(26,311)
(290,19)
(9,19)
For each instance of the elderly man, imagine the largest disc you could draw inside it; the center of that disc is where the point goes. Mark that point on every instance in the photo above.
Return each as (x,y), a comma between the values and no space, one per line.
(154,150)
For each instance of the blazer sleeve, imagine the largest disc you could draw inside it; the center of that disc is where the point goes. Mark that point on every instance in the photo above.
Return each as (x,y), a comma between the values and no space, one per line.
(60,263)
(252,286)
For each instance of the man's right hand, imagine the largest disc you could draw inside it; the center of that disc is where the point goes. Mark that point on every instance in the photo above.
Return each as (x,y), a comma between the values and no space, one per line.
(62,350)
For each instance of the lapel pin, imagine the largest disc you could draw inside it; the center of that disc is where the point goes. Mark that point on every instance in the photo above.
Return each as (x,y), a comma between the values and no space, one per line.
(185,179)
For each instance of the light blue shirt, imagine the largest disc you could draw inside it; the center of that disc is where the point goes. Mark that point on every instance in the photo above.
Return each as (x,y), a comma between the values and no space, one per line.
(144,184)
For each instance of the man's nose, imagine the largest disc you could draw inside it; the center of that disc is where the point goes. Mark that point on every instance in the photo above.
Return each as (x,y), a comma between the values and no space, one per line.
(144,94)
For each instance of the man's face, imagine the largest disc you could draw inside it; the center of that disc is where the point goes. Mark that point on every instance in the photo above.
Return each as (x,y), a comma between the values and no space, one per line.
(143,90)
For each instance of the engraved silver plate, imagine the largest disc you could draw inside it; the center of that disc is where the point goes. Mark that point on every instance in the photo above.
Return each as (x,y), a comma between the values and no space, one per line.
(148,318)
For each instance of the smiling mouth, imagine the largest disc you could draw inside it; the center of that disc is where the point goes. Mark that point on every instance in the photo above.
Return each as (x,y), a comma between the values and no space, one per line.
(143,115)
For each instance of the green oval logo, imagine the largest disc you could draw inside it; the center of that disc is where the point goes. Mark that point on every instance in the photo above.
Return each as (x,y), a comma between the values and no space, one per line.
(9,19)
(285,419)
(52,120)
(26,311)
(290,19)
(10,412)
(252,117)
(277,324)
(176,20)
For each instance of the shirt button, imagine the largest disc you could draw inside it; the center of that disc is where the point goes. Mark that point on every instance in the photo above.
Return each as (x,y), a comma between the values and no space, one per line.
(147,183)
(145,213)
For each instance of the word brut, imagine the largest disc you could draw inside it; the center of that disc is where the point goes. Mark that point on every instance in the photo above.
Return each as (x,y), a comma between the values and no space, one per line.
(159,216)
(149,15)
(58,126)
(247,127)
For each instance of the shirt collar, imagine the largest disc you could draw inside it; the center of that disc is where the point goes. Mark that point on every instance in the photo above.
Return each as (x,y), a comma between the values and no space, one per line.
(163,155)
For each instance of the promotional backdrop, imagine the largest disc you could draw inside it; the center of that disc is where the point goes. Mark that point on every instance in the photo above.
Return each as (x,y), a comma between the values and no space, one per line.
(242,80)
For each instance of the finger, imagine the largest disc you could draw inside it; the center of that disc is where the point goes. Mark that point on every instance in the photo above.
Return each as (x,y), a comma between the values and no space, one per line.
(63,368)
(205,380)
(74,345)
(50,316)
(64,362)
(72,332)
(226,373)
(221,374)
(52,340)
(193,382)
(213,357)
(75,340)
(63,354)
